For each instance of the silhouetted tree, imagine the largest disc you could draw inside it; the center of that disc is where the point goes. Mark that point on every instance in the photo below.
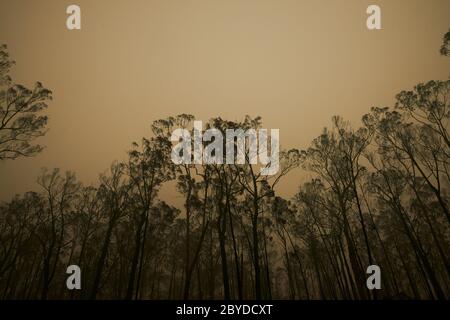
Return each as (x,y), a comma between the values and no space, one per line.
(20,122)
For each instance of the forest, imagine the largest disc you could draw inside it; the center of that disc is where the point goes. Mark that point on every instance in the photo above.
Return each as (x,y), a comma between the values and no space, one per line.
(380,195)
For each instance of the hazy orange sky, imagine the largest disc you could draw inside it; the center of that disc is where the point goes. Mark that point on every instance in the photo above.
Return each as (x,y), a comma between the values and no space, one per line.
(296,63)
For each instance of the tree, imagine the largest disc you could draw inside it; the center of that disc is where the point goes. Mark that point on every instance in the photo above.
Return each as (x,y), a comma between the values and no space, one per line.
(20,119)
(147,170)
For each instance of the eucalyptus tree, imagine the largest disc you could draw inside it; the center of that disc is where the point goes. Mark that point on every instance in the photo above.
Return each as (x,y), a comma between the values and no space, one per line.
(21,120)
(148,167)
(334,160)
(114,192)
(257,187)
(191,179)
(59,192)
(402,170)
